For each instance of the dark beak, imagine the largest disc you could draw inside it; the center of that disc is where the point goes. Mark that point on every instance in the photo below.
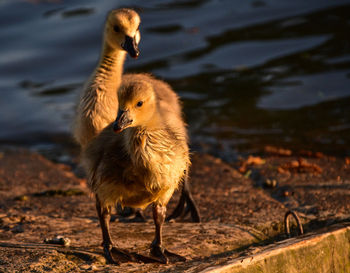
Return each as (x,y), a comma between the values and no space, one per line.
(123,121)
(131,47)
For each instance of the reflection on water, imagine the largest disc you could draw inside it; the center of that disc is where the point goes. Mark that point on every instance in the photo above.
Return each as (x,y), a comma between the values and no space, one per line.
(297,92)
(250,73)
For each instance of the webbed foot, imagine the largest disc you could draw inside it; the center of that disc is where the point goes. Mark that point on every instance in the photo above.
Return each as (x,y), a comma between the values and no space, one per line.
(165,255)
(107,250)
(117,256)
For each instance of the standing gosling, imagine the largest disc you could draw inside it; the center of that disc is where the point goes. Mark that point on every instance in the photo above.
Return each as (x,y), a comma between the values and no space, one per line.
(143,161)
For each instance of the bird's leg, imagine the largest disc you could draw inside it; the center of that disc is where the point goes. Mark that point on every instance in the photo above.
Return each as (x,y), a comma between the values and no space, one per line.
(157,249)
(191,205)
(104,215)
(186,198)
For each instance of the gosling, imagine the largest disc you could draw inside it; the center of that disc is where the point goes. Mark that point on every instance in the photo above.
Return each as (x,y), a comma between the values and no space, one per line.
(98,104)
(140,158)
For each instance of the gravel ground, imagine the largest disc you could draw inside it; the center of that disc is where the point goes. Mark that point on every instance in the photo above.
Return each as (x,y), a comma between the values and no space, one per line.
(241,205)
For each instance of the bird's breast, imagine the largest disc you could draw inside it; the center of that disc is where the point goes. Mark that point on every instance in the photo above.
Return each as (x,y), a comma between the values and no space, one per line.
(157,161)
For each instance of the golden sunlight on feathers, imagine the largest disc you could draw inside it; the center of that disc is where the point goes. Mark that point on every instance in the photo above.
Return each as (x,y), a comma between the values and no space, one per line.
(146,161)
(98,102)
(150,157)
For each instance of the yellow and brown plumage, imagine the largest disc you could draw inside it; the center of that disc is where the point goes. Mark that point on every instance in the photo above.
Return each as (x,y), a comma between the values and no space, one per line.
(98,107)
(148,157)
(98,102)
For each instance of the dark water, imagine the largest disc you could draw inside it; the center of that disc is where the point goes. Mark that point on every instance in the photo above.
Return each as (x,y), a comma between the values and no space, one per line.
(250,73)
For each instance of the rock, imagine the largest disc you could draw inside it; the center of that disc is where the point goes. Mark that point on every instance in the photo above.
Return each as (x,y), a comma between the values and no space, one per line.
(270,183)
(58,240)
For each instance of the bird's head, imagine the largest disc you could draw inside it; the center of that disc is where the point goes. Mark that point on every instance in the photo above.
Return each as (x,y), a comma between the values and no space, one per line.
(122,31)
(137,105)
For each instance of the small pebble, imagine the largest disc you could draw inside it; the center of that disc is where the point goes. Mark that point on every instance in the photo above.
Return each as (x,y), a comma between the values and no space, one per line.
(58,240)
(285,193)
(22,198)
(270,183)
(85,267)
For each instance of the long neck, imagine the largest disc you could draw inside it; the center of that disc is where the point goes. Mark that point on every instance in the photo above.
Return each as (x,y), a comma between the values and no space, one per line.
(108,73)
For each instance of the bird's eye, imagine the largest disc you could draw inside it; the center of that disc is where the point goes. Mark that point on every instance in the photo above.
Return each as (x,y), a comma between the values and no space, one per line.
(139,104)
(116,29)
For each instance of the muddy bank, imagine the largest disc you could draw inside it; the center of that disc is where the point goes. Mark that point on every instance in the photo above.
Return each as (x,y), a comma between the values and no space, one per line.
(241,205)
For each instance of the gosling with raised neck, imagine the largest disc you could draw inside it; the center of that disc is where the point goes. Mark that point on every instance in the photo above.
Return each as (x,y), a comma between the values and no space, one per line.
(98,102)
